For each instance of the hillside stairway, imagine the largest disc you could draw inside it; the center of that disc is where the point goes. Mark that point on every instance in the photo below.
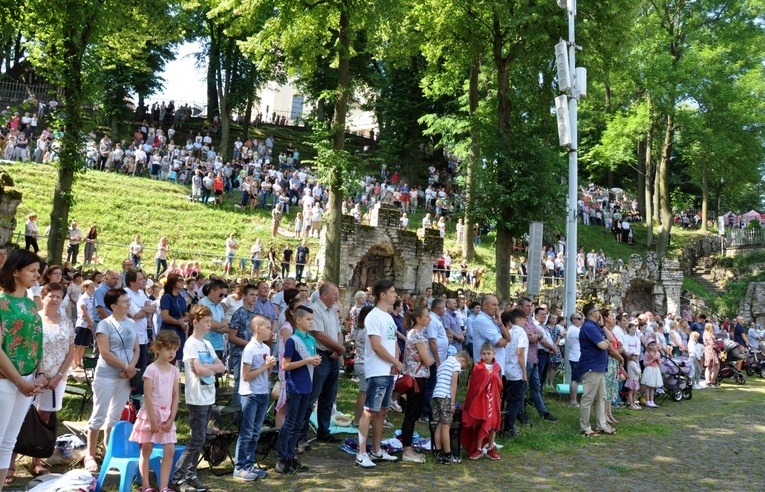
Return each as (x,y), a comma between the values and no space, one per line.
(703,275)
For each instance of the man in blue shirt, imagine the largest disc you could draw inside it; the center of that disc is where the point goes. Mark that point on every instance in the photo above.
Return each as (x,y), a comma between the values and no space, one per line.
(438,343)
(593,363)
(111,281)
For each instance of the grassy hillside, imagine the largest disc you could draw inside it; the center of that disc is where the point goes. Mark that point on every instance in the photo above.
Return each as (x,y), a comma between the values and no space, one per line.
(123,206)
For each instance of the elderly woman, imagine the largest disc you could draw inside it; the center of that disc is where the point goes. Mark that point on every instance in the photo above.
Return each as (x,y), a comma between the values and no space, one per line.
(614,361)
(711,357)
(21,355)
(117,339)
(58,352)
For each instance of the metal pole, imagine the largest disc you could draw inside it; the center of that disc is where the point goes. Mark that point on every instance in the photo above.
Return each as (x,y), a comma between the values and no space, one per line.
(571,229)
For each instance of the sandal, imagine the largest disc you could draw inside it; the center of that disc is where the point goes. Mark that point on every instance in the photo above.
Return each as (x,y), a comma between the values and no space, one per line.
(590,434)
(9,476)
(610,432)
(38,470)
(90,464)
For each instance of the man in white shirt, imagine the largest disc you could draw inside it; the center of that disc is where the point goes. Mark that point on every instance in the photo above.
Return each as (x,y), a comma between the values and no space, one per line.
(381,363)
(75,237)
(572,347)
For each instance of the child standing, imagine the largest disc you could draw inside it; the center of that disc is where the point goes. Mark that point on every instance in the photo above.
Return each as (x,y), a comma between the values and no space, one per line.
(84,325)
(633,379)
(155,422)
(651,373)
(481,417)
(695,352)
(443,403)
(201,366)
(298,224)
(253,390)
(298,362)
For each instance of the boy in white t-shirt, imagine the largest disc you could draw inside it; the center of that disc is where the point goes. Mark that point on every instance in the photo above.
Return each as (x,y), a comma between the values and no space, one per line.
(253,390)
(443,403)
(516,353)
(198,354)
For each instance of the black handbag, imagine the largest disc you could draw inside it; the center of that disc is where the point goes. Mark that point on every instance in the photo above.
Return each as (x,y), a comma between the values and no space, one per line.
(37,438)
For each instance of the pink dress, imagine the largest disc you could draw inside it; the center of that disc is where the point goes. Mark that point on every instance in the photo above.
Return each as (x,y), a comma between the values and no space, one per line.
(162,398)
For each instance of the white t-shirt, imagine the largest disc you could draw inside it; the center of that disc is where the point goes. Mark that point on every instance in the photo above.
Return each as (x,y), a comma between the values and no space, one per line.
(254,354)
(137,302)
(444,376)
(619,334)
(572,341)
(518,340)
(632,344)
(436,330)
(379,323)
(198,392)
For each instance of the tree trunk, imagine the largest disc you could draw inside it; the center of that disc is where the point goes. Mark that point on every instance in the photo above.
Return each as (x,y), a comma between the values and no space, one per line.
(224,89)
(641,184)
(213,65)
(70,158)
(116,121)
(704,198)
(468,248)
(663,190)
(247,116)
(650,206)
(504,246)
(334,214)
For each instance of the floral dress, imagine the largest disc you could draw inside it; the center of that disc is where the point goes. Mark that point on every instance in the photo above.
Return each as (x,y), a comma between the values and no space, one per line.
(612,377)
(21,333)
(280,340)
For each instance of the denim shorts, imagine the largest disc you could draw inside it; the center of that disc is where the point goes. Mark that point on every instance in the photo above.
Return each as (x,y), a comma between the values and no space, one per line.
(575,375)
(379,391)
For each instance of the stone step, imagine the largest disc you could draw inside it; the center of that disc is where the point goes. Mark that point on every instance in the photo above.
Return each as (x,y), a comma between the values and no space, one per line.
(708,283)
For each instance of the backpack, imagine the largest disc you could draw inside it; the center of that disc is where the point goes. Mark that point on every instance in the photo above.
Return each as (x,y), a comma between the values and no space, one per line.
(441,262)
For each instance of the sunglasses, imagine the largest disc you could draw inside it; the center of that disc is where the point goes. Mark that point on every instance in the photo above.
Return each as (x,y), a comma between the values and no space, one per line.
(576,319)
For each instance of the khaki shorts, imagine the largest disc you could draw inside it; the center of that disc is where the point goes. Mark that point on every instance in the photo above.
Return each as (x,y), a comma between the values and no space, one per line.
(441,409)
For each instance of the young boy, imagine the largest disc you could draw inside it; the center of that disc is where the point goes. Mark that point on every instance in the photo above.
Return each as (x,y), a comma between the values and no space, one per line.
(442,404)
(298,363)
(515,369)
(253,390)
(198,354)
(481,416)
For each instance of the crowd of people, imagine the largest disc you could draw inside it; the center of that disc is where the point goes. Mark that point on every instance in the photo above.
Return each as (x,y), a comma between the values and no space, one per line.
(285,341)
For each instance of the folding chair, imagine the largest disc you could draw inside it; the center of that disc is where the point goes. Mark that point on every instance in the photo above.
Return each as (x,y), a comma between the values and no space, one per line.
(85,394)
(221,438)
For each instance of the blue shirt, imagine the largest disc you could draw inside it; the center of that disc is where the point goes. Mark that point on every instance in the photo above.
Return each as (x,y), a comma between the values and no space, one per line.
(436,330)
(175,306)
(98,297)
(486,330)
(218,313)
(592,358)
(240,321)
(299,380)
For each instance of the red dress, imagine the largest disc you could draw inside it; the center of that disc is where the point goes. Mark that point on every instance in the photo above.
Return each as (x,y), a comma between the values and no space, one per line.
(482,411)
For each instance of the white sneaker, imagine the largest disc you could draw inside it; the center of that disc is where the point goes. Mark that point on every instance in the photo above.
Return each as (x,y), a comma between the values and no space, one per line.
(395,406)
(697,386)
(363,461)
(381,456)
(417,458)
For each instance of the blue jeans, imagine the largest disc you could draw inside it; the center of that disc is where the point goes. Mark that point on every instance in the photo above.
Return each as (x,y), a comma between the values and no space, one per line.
(543,366)
(533,383)
(254,409)
(186,468)
(288,435)
(430,385)
(325,378)
(235,363)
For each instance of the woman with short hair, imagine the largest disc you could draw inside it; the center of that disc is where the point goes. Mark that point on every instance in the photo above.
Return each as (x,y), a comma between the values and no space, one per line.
(117,340)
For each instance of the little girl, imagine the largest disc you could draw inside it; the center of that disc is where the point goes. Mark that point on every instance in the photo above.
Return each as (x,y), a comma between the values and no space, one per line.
(633,380)
(155,420)
(651,373)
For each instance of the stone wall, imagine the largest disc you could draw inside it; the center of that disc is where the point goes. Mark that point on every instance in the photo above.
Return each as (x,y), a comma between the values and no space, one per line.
(640,284)
(701,250)
(10,198)
(382,250)
(752,306)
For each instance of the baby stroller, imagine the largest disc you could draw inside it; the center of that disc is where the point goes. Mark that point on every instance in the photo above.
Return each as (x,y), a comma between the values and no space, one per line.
(755,360)
(730,353)
(677,375)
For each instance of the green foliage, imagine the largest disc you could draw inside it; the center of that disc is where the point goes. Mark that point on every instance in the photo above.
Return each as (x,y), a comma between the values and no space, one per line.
(754,225)
(691,285)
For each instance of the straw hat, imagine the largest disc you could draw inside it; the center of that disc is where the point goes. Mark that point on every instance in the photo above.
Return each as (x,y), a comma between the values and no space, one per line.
(341,420)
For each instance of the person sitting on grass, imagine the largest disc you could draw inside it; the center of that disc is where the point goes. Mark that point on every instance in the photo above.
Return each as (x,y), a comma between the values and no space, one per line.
(481,417)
